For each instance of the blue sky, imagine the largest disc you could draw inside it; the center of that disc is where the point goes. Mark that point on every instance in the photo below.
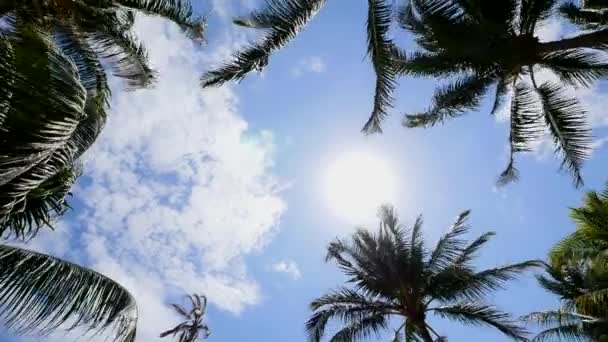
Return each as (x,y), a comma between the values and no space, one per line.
(220,191)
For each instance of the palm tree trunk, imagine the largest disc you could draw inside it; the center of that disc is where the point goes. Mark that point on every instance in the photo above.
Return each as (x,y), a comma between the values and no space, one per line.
(588,40)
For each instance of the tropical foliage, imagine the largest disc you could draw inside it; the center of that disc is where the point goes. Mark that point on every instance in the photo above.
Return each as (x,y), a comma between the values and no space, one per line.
(55,93)
(193,326)
(590,15)
(578,275)
(395,276)
(40,293)
(479,45)
(485,45)
(284,19)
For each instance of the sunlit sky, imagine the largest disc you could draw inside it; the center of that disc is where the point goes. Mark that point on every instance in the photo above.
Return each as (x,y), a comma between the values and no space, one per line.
(235,192)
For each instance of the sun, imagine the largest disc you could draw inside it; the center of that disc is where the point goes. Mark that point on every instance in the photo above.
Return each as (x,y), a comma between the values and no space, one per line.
(357,183)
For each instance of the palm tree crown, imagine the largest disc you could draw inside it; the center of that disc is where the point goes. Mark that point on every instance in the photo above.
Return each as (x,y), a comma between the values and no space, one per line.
(55,93)
(193,326)
(495,44)
(395,275)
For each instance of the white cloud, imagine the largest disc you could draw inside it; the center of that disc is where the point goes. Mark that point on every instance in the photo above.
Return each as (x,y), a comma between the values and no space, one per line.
(179,191)
(313,64)
(288,267)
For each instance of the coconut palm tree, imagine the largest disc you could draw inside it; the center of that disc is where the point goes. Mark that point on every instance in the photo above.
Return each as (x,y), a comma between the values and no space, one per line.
(284,19)
(590,240)
(40,294)
(494,45)
(589,15)
(578,275)
(395,276)
(54,92)
(193,326)
(584,314)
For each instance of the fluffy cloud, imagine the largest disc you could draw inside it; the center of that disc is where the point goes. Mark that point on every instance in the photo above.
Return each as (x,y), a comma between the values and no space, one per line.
(177,189)
(288,267)
(313,64)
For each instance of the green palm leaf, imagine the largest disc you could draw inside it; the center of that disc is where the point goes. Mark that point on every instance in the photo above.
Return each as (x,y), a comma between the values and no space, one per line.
(39,294)
(526,128)
(178,11)
(379,47)
(566,121)
(451,101)
(285,19)
(480,314)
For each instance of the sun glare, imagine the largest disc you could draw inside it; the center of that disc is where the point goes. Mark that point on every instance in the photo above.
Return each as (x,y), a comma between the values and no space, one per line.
(356,184)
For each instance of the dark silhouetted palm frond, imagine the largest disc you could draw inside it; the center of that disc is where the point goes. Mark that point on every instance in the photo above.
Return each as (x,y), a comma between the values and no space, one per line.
(193,327)
(40,294)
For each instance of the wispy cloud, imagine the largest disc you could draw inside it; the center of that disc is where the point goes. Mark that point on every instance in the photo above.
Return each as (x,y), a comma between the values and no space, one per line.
(313,64)
(177,190)
(288,267)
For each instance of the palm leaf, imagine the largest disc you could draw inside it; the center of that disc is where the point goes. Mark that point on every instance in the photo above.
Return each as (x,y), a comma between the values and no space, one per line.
(42,206)
(567,124)
(480,314)
(39,293)
(449,246)
(285,19)
(379,48)
(178,11)
(584,18)
(452,101)
(362,329)
(576,67)
(526,128)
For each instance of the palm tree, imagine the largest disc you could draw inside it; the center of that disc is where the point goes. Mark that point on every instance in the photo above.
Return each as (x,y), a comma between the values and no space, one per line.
(40,293)
(590,15)
(590,240)
(584,313)
(284,19)
(578,275)
(395,276)
(488,45)
(55,92)
(191,328)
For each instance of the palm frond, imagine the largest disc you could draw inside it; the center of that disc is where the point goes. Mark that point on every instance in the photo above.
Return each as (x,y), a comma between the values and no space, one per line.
(576,67)
(42,206)
(526,128)
(424,64)
(502,89)
(452,101)
(39,79)
(39,293)
(558,326)
(584,18)
(533,12)
(178,11)
(90,70)
(127,56)
(379,47)
(450,246)
(476,286)
(480,314)
(285,20)
(362,329)
(567,123)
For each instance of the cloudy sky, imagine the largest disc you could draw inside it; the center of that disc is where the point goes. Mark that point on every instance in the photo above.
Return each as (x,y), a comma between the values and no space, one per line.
(224,191)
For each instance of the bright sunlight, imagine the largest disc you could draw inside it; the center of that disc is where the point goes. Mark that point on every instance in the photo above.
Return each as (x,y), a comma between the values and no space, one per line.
(357,183)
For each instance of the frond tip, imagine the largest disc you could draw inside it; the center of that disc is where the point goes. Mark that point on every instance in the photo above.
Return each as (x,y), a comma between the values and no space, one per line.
(40,293)
(284,20)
